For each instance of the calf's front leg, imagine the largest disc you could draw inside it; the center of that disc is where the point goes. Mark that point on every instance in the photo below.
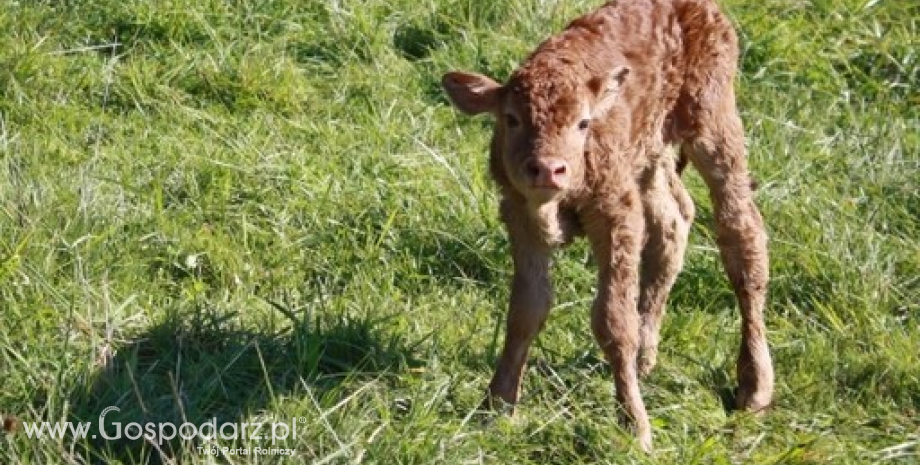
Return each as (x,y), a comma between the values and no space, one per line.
(615,321)
(531,299)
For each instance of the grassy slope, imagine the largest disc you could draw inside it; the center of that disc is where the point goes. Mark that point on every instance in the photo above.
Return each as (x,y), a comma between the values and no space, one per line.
(263,210)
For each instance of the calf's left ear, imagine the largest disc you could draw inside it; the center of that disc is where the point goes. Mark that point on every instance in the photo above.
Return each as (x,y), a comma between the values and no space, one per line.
(471,93)
(607,88)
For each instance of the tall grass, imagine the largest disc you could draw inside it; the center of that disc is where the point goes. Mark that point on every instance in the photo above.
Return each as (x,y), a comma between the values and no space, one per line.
(259,211)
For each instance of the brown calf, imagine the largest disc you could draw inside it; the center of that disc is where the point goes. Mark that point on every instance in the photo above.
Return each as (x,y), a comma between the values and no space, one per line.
(580,148)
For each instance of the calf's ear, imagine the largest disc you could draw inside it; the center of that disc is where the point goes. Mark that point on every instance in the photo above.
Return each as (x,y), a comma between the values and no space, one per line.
(607,88)
(471,93)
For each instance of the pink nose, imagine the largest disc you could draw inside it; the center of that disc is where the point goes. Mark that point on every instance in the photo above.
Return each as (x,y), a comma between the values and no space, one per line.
(547,173)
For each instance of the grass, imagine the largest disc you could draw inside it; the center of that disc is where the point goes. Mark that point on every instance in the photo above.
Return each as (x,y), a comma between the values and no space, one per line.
(265,210)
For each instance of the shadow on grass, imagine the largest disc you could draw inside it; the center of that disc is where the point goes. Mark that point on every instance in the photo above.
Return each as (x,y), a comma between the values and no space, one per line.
(723,386)
(455,259)
(201,367)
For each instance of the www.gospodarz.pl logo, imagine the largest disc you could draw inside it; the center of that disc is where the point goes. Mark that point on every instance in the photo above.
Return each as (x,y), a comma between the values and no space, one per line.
(166,431)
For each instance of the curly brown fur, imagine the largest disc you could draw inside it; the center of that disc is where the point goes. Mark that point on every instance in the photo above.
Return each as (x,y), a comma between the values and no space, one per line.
(580,147)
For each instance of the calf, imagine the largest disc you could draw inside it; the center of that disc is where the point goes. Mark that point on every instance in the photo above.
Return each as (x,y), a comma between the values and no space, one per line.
(579,147)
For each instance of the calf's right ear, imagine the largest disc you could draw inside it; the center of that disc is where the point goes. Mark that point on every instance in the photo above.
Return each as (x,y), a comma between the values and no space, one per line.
(471,93)
(607,89)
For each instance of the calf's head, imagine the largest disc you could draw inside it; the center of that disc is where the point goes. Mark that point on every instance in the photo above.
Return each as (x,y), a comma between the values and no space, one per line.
(544,120)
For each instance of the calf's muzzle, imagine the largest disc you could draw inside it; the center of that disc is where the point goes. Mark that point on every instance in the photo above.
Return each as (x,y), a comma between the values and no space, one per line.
(547,173)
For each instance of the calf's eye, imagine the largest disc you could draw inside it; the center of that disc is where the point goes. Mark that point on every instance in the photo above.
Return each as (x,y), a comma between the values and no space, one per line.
(583,124)
(511,121)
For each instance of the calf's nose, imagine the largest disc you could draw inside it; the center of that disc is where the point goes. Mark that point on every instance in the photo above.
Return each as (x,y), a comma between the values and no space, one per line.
(547,173)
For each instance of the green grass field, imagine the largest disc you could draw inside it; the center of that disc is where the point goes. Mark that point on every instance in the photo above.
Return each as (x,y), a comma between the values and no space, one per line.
(266,210)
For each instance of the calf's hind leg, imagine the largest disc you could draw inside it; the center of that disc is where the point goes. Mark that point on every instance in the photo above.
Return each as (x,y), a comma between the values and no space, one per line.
(718,153)
(669,213)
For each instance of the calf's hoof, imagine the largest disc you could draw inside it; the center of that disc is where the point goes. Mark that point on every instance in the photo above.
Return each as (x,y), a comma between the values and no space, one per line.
(645,442)
(495,404)
(642,432)
(647,362)
(754,400)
